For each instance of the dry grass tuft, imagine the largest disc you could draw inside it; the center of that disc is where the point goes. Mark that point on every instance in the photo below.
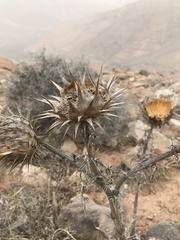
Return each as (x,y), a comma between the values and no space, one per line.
(26,212)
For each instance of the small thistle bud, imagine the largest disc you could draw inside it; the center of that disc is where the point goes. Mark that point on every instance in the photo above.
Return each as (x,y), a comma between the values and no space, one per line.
(81,102)
(158,111)
(18,141)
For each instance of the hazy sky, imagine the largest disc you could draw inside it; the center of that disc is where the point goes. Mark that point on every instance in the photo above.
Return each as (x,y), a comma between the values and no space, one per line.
(45,14)
(25,21)
(63,9)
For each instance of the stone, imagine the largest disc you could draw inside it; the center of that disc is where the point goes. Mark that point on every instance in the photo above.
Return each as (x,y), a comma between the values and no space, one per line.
(87,219)
(137,129)
(175,87)
(168,94)
(164,231)
(131,160)
(144,72)
(69,147)
(164,93)
(160,142)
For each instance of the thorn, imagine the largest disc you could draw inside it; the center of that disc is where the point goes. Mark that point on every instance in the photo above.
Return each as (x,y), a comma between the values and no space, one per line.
(55,124)
(79,91)
(117,93)
(110,114)
(67,129)
(62,77)
(76,128)
(89,120)
(90,78)
(116,104)
(111,82)
(100,73)
(79,118)
(56,98)
(98,124)
(57,86)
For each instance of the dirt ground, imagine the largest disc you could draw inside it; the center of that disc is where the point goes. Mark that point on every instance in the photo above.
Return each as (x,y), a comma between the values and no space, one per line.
(159,204)
(158,201)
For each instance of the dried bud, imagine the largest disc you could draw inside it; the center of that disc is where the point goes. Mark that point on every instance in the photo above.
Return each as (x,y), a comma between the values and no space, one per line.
(81,102)
(18,141)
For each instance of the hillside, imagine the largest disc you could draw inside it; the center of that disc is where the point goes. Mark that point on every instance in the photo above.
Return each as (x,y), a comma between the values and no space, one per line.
(33,20)
(141,34)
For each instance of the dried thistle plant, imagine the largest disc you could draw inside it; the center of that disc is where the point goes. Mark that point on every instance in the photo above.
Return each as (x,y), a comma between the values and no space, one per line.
(81,102)
(18,141)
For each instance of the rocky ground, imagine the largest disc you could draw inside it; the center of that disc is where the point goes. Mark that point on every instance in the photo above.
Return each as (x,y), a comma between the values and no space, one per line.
(159,197)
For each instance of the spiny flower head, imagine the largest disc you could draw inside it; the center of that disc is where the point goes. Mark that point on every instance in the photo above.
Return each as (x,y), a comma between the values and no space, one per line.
(158,111)
(18,141)
(81,102)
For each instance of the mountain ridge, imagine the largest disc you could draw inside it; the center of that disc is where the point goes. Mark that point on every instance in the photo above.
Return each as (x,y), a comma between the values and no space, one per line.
(141,34)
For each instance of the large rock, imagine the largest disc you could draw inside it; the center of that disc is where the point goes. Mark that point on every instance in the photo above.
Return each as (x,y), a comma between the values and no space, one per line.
(87,219)
(137,129)
(164,231)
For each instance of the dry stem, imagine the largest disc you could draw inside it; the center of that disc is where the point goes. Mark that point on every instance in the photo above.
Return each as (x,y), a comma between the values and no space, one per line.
(145,164)
(147,136)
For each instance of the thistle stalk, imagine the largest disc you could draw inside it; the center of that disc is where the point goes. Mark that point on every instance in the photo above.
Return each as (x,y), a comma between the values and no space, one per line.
(147,136)
(116,215)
